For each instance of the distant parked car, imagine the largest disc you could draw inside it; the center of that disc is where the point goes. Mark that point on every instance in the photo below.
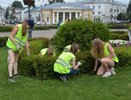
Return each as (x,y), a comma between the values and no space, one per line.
(12,21)
(39,23)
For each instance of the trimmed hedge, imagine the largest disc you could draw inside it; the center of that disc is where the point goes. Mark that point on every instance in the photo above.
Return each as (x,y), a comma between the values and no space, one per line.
(3,41)
(42,67)
(119,36)
(6,28)
(9,28)
(118,26)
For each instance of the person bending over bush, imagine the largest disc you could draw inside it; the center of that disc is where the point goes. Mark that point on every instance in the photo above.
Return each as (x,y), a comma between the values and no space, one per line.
(104,53)
(66,64)
(47,51)
(15,43)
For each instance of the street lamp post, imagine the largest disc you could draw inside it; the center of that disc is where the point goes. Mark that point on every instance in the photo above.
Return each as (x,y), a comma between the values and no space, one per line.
(29,3)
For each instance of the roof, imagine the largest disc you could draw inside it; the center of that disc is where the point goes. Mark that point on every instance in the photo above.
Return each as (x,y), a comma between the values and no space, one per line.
(65,6)
(103,2)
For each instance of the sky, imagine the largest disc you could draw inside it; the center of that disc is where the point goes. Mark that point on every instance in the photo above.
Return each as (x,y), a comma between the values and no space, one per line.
(5,3)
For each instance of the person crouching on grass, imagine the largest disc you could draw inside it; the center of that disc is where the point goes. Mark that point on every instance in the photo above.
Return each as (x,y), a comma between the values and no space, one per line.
(15,43)
(104,53)
(66,64)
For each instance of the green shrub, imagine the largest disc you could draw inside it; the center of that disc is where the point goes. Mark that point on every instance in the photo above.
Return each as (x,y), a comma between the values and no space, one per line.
(6,28)
(119,36)
(80,31)
(41,28)
(42,68)
(118,26)
(119,32)
(3,41)
(36,45)
(26,66)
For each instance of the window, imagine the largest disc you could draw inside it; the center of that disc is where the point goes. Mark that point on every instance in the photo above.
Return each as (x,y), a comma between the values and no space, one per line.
(93,6)
(99,12)
(47,19)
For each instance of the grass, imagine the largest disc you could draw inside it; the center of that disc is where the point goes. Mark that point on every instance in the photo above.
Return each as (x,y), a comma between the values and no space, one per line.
(82,87)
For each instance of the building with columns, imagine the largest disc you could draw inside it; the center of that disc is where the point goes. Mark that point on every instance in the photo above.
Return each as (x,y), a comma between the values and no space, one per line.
(59,12)
(105,10)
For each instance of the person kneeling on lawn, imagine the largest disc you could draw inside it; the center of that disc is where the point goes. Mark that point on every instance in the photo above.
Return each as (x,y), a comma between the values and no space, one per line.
(66,65)
(104,53)
(47,51)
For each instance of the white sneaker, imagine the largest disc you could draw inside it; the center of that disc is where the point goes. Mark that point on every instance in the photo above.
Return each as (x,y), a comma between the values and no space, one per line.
(112,71)
(107,74)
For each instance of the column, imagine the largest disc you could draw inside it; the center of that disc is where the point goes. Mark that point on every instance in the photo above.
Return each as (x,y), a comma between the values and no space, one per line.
(70,15)
(76,15)
(63,16)
(80,14)
(53,18)
(57,17)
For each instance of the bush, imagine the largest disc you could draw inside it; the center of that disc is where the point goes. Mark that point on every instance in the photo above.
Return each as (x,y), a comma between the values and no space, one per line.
(119,36)
(6,28)
(42,68)
(80,31)
(119,32)
(36,45)
(41,28)
(118,26)
(3,41)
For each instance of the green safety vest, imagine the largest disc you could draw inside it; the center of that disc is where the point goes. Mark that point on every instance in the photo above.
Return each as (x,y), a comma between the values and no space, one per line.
(67,48)
(107,53)
(21,40)
(63,63)
(43,51)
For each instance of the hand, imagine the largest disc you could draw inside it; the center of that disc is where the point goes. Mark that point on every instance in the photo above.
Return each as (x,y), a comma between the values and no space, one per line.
(28,53)
(17,46)
(79,63)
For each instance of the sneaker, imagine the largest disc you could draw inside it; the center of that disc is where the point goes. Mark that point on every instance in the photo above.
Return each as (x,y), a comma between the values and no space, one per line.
(107,74)
(112,71)
(11,80)
(16,76)
(63,78)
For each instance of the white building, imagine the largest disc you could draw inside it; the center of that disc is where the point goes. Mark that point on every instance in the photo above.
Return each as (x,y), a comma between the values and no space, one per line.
(105,10)
(39,3)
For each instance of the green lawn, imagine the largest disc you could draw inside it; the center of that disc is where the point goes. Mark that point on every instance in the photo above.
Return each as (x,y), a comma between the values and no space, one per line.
(82,87)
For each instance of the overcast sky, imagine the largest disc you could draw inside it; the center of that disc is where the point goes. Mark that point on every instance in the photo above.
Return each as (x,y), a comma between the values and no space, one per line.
(5,3)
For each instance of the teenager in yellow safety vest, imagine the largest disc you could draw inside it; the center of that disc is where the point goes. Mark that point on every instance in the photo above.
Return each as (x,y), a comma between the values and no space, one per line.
(16,41)
(104,53)
(47,51)
(66,64)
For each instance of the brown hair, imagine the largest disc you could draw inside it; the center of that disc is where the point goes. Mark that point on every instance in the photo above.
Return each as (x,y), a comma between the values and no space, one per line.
(74,48)
(50,51)
(97,49)
(24,29)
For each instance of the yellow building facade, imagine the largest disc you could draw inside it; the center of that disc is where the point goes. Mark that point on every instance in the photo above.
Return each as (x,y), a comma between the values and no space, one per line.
(59,12)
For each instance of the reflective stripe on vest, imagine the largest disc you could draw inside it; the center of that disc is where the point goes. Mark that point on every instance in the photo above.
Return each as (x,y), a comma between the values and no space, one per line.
(21,43)
(62,62)
(21,40)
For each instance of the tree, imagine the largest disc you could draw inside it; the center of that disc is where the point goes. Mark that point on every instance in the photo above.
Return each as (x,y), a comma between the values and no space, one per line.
(17,4)
(129,10)
(122,16)
(7,13)
(53,1)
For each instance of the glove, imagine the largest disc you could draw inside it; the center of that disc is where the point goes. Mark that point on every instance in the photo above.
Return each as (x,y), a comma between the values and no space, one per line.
(17,46)
(79,63)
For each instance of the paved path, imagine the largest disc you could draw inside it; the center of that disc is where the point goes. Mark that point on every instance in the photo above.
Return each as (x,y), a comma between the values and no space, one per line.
(40,33)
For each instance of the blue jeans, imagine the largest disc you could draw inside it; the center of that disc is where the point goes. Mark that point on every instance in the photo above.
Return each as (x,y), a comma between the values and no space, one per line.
(72,72)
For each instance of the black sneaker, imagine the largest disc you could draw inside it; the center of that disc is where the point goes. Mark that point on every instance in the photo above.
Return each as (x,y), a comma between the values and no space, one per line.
(63,78)
(16,76)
